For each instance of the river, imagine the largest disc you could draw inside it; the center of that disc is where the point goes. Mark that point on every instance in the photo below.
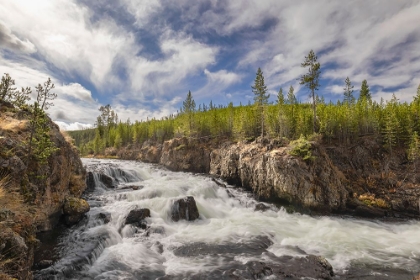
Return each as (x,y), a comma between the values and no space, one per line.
(228,234)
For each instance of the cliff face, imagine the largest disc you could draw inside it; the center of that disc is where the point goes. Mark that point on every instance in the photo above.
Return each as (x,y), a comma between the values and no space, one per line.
(32,195)
(361,179)
(272,174)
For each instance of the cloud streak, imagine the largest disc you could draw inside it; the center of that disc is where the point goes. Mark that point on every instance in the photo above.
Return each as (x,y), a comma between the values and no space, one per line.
(142,57)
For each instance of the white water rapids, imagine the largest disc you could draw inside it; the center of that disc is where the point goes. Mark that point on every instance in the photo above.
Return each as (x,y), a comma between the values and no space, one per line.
(114,251)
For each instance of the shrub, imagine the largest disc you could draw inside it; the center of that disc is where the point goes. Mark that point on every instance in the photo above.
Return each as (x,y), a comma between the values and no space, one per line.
(301,148)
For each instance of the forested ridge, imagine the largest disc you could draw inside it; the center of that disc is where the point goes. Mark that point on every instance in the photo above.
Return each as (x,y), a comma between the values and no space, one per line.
(393,123)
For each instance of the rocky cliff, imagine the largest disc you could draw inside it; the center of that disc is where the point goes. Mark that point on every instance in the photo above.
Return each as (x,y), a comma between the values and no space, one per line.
(32,195)
(361,179)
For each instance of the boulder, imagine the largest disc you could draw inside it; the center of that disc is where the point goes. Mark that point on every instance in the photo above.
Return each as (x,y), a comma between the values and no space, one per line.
(90,182)
(261,207)
(137,216)
(184,209)
(104,216)
(107,181)
(313,267)
(74,209)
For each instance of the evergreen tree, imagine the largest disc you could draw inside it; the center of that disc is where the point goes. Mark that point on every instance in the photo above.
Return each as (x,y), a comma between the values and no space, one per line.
(10,94)
(413,152)
(40,144)
(348,93)
(311,79)
(188,107)
(365,92)
(6,87)
(291,98)
(280,97)
(260,97)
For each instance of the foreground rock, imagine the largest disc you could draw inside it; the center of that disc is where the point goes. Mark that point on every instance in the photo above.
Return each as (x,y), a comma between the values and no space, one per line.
(184,209)
(74,210)
(34,197)
(137,217)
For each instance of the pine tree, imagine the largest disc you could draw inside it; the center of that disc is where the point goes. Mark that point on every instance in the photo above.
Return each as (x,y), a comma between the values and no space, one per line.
(413,152)
(348,93)
(311,79)
(260,97)
(291,98)
(188,107)
(365,92)
(280,97)
(40,144)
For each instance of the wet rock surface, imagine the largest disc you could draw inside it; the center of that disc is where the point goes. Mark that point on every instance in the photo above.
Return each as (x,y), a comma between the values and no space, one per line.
(137,217)
(74,209)
(184,209)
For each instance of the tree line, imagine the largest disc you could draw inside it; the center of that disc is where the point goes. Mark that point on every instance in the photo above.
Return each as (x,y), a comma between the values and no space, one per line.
(394,123)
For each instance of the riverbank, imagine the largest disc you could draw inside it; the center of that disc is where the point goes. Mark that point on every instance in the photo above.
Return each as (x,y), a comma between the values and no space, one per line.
(361,179)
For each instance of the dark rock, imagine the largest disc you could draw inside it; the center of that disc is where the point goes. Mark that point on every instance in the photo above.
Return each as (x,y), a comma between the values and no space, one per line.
(261,207)
(137,216)
(368,212)
(184,209)
(74,209)
(107,181)
(105,217)
(218,183)
(286,268)
(90,182)
(43,264)
(6,214)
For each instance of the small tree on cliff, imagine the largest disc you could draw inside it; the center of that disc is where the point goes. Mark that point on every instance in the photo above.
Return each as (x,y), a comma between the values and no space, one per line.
(40,145)
(10,94)
(261,97)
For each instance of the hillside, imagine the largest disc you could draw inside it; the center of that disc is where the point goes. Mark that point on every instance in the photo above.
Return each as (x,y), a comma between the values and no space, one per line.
(33,187)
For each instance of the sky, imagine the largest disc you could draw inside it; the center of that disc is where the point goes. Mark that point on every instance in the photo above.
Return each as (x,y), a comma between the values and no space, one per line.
(142,57)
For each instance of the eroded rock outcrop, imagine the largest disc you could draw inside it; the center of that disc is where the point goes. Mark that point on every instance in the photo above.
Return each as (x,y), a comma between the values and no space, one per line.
(274,174)
(33,193)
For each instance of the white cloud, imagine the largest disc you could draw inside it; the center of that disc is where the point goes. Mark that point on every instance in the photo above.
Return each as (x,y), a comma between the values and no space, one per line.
(12,42)
(184,56)
(75,90)
(73,126)
(222,76)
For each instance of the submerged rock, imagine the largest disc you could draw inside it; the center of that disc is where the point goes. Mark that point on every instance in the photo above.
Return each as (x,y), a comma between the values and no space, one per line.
(74,209)
(104,216)
(107,181)
(184,209)
(261,207)
(314,267)
(137,216)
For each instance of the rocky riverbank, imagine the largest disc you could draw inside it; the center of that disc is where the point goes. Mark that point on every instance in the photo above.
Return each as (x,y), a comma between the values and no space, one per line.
(361,179)
(34,197)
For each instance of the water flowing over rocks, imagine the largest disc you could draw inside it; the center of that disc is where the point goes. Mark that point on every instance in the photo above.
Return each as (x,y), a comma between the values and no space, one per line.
(230,240)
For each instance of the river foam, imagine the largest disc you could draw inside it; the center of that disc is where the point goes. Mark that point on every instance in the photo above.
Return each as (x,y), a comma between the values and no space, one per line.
(229,230)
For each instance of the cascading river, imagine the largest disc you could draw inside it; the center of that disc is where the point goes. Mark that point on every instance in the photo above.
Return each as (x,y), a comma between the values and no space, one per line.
(228,234)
